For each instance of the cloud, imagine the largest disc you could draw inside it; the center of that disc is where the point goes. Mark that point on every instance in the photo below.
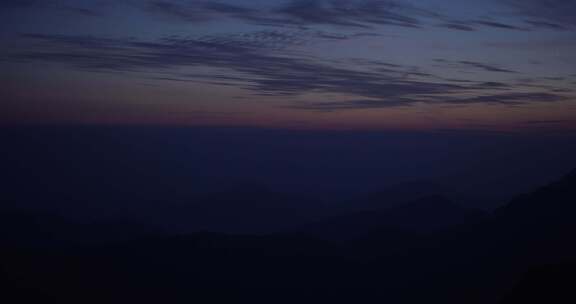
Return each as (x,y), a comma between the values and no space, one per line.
(546,25)
(293,13)
(197,11)
(494,85)
(340,13)
(509,99)
(256,62)
(548,122)
(354,13)
(510,23)
(550,14)
(476,25)
(529,15)
(357,104)
(458,26)
(498,25)
(347,14)
(90,9)
(486,67)
(265,71)
(306,13)
(8,4)
(278,39)
(474,65)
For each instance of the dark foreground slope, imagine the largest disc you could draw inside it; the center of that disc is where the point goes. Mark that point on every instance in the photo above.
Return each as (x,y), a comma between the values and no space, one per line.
(46,257)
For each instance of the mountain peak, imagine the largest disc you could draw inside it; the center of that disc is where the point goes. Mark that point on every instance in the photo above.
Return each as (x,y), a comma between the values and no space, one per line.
(571,174)
(556,200)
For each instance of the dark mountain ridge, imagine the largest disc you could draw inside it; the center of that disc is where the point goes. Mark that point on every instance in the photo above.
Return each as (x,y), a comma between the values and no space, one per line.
(475,262)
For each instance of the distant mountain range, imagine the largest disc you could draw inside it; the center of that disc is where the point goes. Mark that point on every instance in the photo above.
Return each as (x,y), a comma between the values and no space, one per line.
(424,215)
(425,250)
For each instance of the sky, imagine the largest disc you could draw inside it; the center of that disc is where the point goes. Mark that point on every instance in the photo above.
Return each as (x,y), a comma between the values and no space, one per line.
(493,65)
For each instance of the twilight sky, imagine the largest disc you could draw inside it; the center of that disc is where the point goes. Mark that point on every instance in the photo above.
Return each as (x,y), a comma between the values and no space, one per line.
(503,65)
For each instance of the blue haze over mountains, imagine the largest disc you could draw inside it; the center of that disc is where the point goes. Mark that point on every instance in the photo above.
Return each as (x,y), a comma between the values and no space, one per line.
(267,179)
(429,249)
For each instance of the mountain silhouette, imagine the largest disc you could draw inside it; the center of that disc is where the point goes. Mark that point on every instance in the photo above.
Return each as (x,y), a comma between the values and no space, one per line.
(541,225)
(425,250)
(394,195)
(554,204)
(545,284)
(424,215)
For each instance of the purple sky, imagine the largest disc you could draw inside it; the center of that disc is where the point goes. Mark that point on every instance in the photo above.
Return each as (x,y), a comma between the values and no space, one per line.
(504,65)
